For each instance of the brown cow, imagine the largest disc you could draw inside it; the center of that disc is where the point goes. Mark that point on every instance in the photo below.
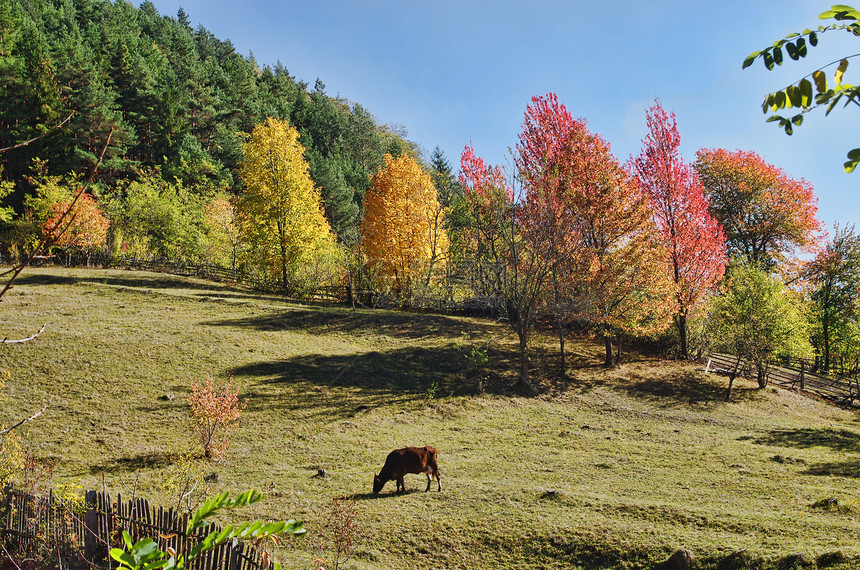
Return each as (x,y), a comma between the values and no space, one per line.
(408,460)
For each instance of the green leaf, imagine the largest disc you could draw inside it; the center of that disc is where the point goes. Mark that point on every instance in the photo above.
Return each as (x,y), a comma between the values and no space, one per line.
(854,154)
(777,56)
(295,527)
(797,120)
(826,15)
(801,47)
(833,102)
(793,95)
(779,99)
(750,59)
(792,51)
(805,87)
(145,548)
(768,60)
(774,118)
(813,39)
(123,557)
(788,129)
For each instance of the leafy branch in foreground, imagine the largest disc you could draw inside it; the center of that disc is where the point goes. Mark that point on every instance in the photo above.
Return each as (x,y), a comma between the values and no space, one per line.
(145,554)
(813,90)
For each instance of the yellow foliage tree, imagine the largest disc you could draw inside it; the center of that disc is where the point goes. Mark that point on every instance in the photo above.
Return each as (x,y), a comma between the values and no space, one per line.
(280,212)
(222,230)
(402,231)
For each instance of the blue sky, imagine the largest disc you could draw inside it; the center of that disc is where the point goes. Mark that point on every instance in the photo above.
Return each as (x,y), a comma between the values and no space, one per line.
(452,72)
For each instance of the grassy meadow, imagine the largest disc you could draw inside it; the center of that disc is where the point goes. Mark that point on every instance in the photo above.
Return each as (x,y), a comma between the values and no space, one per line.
(606,469)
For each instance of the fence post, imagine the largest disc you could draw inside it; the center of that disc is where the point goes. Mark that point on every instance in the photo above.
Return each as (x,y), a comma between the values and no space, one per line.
(802,364)
(91,524)
(235,551)
(5,509)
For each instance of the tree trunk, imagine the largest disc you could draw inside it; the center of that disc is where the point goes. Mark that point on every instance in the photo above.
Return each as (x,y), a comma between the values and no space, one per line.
(618,353)
(761,374)
(682,334)
(732,375)
(607,343)
(523,382)
(562,356)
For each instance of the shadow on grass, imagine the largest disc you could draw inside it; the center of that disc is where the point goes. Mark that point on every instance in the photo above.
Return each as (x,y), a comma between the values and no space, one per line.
(344,320)
(385,494)
(838,440)
(849,469)
(686,387)
(151,460)
(343,386)
(130,280)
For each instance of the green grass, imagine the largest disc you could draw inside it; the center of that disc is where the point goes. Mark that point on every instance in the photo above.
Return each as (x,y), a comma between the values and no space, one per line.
(608,469)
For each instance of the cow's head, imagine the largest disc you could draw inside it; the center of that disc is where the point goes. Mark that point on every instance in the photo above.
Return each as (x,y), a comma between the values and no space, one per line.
(377,484)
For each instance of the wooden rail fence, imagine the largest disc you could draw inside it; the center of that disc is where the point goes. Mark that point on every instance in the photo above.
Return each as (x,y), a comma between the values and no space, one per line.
(841,389)
(28,522)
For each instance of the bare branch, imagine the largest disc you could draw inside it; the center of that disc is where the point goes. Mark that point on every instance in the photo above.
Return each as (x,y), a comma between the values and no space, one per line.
(28,339)
(34,139)
(52,235)
(22,422)
(9,556)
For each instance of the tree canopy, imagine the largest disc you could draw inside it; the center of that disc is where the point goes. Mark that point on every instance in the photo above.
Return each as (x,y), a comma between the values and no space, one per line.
(280,210)
(694,241)
(766,215)
(177,99)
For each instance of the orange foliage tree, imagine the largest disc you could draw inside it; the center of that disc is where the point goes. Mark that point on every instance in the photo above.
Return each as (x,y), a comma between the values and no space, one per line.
(85,228)
(402,233)
(765,214)
(214,410)
(693,239)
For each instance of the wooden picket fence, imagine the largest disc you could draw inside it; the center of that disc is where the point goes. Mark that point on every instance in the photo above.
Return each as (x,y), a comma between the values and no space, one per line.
(796,375)
(29,522)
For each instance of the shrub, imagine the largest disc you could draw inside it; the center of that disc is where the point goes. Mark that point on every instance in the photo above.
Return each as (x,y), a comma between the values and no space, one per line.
(214,410)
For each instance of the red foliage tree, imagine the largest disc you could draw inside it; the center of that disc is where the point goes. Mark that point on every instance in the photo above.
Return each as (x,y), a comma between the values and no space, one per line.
(594,221)
(694,240)
(765,214)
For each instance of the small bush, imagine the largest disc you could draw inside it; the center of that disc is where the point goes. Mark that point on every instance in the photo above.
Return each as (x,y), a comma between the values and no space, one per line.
(214,410)
(338,539)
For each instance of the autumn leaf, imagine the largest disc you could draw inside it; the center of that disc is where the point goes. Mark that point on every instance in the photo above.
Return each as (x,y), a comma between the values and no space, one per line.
(840,71)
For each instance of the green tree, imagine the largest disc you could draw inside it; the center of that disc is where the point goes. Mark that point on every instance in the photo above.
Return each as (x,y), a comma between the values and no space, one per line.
(757,318)
(280,210)
(443,178)
(152,217)
(835,278)
(813,90)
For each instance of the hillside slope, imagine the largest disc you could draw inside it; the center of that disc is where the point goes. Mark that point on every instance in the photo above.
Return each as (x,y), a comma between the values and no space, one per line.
(610,469)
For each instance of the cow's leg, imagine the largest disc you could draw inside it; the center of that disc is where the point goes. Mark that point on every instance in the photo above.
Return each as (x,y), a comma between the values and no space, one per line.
(433,470)
(401,486)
